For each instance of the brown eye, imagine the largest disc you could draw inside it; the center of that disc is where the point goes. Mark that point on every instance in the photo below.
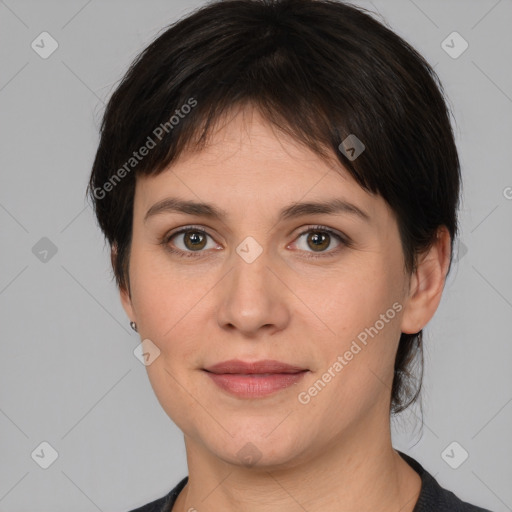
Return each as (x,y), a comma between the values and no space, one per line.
(318,240)
(194,240)
(188,242)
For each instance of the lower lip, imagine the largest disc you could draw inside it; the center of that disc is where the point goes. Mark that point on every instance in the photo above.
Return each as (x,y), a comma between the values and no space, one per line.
(255,385)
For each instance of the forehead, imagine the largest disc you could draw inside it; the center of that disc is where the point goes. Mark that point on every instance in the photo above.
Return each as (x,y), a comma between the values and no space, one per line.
(250,165)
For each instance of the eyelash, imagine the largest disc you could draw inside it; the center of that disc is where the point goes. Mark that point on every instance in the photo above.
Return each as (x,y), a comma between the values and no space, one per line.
(191,254)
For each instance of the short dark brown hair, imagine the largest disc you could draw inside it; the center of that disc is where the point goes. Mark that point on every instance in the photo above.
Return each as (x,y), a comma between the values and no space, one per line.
(320,70)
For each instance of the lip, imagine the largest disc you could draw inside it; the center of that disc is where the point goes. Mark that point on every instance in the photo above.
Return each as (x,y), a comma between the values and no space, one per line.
(255,385)
(256,379)
(257,367)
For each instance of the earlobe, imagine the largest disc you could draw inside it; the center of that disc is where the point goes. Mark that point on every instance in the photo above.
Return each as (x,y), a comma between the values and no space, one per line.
(427,284)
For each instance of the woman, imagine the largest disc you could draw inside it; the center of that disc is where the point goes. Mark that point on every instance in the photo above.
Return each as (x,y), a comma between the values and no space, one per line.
(279,183)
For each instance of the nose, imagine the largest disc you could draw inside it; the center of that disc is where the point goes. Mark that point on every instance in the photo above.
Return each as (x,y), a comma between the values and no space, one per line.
(253,297)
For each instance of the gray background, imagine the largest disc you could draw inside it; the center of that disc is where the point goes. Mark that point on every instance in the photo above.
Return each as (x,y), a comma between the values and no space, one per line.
(68,375)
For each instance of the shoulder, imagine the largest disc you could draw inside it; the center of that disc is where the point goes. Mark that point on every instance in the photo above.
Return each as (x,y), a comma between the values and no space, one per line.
(165,503)
(433,497)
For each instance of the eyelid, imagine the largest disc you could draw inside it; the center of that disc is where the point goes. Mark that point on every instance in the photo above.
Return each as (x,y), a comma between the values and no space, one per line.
(183,229)
(320,227)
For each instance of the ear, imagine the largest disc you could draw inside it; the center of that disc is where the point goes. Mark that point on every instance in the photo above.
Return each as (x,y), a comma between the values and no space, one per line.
(124,293)
(427,284)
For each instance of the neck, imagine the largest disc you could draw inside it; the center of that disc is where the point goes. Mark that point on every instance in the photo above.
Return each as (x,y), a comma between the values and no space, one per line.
(360,471)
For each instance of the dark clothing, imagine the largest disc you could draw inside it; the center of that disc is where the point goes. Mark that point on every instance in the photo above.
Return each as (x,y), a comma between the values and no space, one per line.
(433,498)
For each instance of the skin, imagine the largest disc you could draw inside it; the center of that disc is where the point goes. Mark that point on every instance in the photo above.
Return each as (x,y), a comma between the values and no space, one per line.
(203,310)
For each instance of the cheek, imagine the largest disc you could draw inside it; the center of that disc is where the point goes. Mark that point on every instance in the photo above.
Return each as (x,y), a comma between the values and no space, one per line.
(360,350)
(158,297)
(362,313)
(170,307)
(164,303)
(356,299)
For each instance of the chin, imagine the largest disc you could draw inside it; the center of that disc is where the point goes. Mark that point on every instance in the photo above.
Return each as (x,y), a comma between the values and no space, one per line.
(258,444)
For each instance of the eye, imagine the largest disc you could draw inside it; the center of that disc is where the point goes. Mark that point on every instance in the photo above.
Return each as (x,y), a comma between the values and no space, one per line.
(319,238)
(190,239)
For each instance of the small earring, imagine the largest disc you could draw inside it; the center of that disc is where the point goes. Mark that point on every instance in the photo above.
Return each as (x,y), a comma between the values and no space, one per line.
(133,325)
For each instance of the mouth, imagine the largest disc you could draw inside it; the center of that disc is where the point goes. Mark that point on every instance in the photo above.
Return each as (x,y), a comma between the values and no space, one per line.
(254,380)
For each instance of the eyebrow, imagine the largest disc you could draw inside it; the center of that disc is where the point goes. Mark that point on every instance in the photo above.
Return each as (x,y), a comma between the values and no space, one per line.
(330,207)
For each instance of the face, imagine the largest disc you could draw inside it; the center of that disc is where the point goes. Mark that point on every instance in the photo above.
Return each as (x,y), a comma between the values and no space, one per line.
(324,292)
